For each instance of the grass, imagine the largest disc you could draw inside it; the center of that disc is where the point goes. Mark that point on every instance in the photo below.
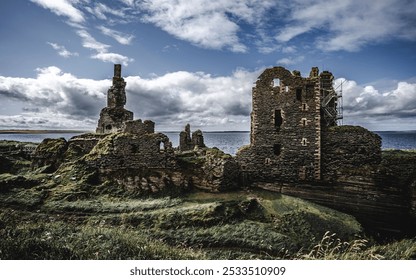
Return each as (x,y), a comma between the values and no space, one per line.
(237,225)
(68,214)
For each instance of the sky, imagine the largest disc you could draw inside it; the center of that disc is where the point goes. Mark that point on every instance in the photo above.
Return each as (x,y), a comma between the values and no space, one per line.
(194,61)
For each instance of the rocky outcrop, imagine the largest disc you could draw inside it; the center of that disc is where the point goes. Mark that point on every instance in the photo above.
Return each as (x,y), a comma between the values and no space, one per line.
(49,154)
(211,170)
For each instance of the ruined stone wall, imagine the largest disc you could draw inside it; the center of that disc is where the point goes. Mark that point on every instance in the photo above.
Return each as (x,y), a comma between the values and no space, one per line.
(112,119)
(138,127)
(347,150)
(81,145)
(114,115)
(186,142)
(122,151)
(285,129)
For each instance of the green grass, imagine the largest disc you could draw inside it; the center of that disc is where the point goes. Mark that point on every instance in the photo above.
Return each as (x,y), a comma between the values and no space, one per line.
(62,218)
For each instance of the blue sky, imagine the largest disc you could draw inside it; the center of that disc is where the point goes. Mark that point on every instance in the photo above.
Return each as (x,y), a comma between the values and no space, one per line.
(196,61)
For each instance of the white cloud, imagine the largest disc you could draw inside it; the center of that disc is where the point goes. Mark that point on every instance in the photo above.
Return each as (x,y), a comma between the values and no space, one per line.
(209,24)
(290,60)
(78,21)
(58,99)
(89,42)
(54,94)
(377,108)
(102,54)
(62,51)
(113,57)
(62,8)
(120,37)
(349,24)
(171,100)
(100,10)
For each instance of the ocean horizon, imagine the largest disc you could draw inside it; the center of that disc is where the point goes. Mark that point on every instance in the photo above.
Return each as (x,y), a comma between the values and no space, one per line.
(227,141)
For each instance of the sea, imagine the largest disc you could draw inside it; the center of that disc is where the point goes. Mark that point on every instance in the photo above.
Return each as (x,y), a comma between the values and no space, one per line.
(231,141)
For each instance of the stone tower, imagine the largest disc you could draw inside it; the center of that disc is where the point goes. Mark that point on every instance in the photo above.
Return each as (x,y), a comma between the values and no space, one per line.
(114,115)
(286,125)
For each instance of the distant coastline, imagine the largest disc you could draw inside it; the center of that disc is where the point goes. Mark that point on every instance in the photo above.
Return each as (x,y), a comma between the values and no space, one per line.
(29,131)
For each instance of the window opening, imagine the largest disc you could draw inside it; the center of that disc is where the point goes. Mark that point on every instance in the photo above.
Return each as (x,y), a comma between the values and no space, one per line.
(304,142)
(276,82)
(299,94)
(277,149)
(278,120)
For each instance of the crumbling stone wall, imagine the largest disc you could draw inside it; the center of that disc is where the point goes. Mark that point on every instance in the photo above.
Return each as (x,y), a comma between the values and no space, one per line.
(114,115)
(285,137)
(198,139)
(348,149)
(81,145)
(123,150)
(187,143)
(138,127)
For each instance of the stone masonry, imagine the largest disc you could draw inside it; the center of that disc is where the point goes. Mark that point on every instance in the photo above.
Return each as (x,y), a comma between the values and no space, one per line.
(186,142)
(286,126)
(114,115)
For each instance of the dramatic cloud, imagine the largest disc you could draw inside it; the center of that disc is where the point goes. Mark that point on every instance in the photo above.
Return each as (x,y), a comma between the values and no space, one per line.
(236,25)
(120,37)
(58,99)
(171,100)
(62,8)
(213,24)
(198,98)
(55,94)
(379,109)
(349,24)
(62,51)
(335,25)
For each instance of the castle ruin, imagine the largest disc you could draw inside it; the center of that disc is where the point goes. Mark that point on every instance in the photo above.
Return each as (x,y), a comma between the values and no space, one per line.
(114,115)
(289,115)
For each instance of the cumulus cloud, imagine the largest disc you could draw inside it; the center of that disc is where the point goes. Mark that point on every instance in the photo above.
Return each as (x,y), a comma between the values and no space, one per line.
(113,57)
(198,98)
(62,51)
(213,24)
(171,100)
(377,108)
(61,100)
(62,8)
(55,94)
